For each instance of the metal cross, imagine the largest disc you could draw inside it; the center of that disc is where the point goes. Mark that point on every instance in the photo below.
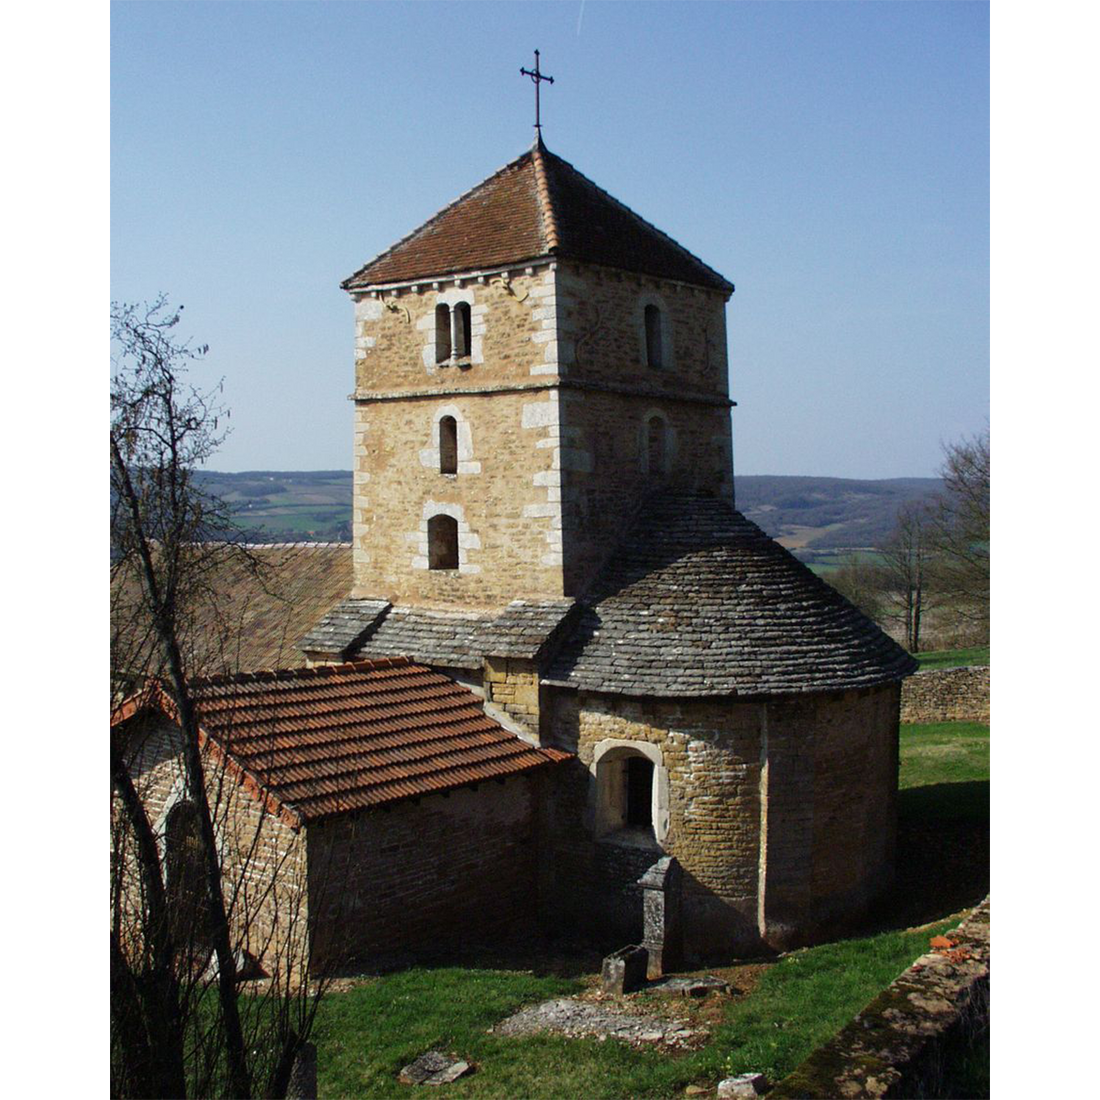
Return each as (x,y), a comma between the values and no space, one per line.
(537,78)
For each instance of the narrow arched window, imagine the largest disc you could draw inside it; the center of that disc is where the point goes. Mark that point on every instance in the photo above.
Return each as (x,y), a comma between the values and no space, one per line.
(442,333)
(442,542)
(448,445)
(654,337)
(655,446)
(461,315)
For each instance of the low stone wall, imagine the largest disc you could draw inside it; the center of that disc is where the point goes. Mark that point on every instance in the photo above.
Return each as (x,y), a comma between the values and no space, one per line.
(947,695)
(895,1046)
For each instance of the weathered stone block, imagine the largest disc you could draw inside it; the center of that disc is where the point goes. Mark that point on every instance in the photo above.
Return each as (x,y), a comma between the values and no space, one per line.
(745,1086)
(624,970)
(433,1068)
(661,902)
(303,1074)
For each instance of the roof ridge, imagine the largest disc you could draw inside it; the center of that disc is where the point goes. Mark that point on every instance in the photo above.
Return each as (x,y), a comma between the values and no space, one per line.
(273,675)
(293,545)
(546,205)
(634,214)
(346,283)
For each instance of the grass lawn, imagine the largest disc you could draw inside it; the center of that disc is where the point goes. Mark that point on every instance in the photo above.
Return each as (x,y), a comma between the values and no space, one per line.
(367,1033)
(943,752)
(953,658)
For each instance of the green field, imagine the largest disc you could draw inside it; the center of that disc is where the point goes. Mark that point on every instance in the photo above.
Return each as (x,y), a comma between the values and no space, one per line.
(953,658)
(367,1033)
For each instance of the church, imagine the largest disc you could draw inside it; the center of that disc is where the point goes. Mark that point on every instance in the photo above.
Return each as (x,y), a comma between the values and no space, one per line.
(555,654)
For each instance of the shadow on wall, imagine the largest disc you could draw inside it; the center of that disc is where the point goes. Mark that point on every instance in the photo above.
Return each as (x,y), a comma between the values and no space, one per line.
(942,855)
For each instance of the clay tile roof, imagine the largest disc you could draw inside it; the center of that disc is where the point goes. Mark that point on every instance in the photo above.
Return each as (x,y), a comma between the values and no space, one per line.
(699,601)
(254,619)
(538,206)
(338,738)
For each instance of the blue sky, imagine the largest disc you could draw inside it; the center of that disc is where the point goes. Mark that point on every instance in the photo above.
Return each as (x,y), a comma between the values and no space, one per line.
(831,159)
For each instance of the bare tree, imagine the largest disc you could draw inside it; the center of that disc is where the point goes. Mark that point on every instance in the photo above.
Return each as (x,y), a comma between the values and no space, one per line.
(178,1026)
(907,557)
(862,582)
(961,530)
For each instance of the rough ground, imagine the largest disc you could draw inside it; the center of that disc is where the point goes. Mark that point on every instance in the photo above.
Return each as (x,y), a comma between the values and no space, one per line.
(578,1019)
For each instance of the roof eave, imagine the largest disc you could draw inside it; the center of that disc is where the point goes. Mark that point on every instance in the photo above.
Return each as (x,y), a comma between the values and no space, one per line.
(353,286)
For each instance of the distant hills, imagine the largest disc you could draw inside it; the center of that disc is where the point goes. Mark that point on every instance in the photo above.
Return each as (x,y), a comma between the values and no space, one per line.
(822,517)
(287,505)
(819,518)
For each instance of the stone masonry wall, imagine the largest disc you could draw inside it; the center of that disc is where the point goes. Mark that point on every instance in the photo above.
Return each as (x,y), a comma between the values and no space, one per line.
(506,495)
(605,468)
(509,522)
(830,809)
(263,858)
(601,318)
(947,695)
(513,685)
(606,471)
(425,876)
(711,750)
(777,851)
(512,333)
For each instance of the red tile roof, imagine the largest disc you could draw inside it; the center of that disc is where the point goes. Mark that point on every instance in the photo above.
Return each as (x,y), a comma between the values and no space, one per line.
(537,206)
(336,738)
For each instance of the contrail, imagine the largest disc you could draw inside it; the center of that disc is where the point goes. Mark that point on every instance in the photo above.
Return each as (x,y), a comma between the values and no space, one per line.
(580,18)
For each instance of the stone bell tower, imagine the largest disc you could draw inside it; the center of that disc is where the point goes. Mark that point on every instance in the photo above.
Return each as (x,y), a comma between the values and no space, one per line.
(531,364)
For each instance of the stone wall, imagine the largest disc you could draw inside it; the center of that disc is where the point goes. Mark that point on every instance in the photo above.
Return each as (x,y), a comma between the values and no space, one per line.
(829,810)
(781,814)
(263,858)
(505,495)
(711,754)
(895,1046)
(426,875)
(605,462)
(502,497)
(601,318)
(606,469)
(513,685)
(947,695)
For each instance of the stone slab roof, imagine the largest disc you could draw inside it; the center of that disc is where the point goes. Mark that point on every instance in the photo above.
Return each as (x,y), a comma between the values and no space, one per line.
(338,738)
(537,206)
(449,638)
(700,601)
(343,626)
(461,639)
(525,627)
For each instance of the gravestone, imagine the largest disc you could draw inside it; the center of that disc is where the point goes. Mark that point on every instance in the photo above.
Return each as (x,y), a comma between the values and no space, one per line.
(624,970)
(662,888)
(303,1074)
